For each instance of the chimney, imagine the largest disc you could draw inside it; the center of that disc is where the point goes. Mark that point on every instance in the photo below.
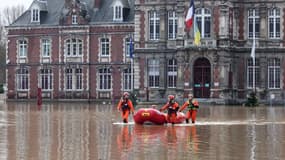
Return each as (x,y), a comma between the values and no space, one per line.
(97,4)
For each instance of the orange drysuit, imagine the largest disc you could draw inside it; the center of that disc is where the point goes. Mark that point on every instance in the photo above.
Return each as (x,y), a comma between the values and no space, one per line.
(125,106)
(172,109)
(192,106)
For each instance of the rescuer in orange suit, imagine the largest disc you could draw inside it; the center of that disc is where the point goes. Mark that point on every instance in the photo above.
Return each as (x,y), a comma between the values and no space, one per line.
(192,106)
(172,107)
(125,105)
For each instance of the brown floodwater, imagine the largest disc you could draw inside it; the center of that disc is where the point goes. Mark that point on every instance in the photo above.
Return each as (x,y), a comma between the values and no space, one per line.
(82,131)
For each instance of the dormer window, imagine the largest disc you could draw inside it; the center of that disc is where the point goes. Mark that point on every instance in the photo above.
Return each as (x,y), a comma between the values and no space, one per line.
(35,15)
(74,19)
(118,13)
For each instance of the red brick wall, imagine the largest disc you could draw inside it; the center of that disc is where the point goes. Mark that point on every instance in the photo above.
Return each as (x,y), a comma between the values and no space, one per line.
(142,30)
(34,38)
(241,24)
(216,20)
(117,53)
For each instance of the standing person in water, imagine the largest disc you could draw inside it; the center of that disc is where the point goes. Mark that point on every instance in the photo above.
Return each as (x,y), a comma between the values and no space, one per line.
(125,106)
(172,107)
(192,106)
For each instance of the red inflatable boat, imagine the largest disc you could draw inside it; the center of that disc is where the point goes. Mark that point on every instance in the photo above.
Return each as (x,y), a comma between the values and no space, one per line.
(151,115)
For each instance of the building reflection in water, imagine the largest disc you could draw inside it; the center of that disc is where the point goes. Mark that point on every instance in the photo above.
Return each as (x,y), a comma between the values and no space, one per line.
(78,131)
(3,133)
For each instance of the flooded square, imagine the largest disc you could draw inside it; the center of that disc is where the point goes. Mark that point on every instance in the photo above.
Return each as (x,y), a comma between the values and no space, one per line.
(82,131)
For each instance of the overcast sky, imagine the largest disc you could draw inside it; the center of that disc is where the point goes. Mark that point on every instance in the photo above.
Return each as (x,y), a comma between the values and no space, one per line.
(9,3)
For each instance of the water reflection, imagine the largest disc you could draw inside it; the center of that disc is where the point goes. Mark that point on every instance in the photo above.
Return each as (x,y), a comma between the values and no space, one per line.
(75,131)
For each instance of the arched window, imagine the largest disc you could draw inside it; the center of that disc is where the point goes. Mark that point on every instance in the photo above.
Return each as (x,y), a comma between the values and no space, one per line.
(118,13)
(105,78)
(22,48)
(74,47)
(46,47)
(35,15)
(22,76)
(46,79)
(105,47)
(203,19)
(73,78)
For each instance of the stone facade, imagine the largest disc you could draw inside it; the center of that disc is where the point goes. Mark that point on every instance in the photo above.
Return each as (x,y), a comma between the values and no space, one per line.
(227,50)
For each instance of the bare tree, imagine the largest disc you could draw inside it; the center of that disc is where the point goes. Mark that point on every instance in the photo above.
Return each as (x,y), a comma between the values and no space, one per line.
(7,17)
(12,13)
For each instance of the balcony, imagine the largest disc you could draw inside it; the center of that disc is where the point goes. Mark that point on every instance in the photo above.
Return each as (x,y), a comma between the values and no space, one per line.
(205,43)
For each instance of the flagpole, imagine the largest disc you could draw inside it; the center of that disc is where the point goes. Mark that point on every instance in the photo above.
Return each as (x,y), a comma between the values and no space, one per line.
(133,73)
(253,58)
(132,61)
(253,74)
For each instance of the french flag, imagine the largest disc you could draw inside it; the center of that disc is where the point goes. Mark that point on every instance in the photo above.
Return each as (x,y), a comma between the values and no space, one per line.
(190,15)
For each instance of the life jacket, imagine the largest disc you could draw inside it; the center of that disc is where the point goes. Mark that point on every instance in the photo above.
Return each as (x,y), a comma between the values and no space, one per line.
(193,105)
(125,105)
(171,108)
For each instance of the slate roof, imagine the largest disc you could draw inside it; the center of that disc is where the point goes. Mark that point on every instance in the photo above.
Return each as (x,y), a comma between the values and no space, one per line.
(55,9)
(42,5)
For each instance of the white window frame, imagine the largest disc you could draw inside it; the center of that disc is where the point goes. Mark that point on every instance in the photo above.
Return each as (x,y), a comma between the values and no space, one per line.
(68,74)
(172,73)
(250,69)
(79,78)
(274,17)
(127,47)
(74,19)
(105,47)
(172,25)
(153,73)
(118,13)
(46,47)
(203,18)
(274,72)
(154,25)
(22,79)
(35,15)
(253,19)
(74,79)
(46,79)
(105,79)
(22,48)
(74,47)
(127,79)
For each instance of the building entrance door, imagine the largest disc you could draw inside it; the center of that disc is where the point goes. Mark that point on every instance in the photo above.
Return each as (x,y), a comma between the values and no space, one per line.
(202,78)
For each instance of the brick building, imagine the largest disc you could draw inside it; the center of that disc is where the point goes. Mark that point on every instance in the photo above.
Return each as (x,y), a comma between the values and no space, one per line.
(87,44)
(71,49)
